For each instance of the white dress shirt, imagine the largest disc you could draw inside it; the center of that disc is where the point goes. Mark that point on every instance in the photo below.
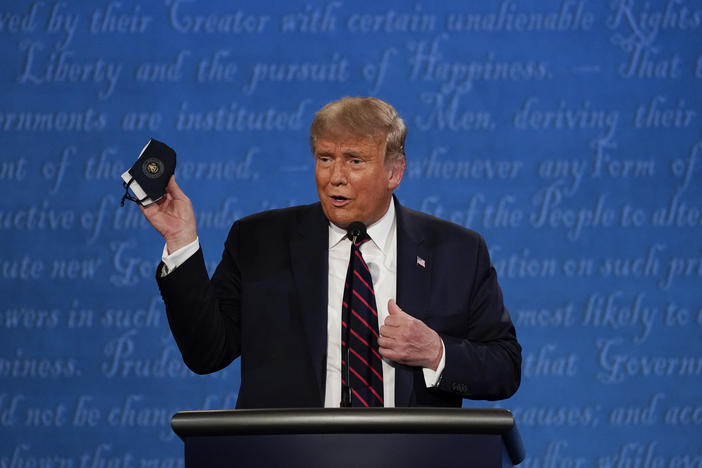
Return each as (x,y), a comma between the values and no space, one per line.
(380,254)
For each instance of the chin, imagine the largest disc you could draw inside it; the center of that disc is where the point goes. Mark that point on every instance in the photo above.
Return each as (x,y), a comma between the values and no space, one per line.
(342,223)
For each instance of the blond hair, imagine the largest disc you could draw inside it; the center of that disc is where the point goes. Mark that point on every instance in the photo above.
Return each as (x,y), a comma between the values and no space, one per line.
(363,117)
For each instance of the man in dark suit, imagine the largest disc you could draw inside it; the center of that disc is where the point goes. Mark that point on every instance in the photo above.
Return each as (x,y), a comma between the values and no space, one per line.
(275,298)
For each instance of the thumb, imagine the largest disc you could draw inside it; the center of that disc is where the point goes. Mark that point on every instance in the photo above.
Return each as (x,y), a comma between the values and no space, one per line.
(174,189)
(393,308)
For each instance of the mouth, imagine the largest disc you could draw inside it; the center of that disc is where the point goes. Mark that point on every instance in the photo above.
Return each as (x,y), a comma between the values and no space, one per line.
(339,200)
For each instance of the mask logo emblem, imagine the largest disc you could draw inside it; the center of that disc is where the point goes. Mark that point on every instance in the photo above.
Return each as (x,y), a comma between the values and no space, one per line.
(152,168)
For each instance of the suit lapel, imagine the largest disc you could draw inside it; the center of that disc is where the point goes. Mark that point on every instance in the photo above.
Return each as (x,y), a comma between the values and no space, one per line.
(309,247)
(413,288)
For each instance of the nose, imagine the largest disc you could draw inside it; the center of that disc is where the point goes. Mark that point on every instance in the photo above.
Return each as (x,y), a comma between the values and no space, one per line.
(338,173)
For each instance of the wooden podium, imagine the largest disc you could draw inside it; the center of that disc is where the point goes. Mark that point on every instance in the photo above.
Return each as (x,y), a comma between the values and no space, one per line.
(333,437)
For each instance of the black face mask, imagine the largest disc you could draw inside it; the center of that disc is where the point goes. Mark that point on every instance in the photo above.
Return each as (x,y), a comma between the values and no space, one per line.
(150,173)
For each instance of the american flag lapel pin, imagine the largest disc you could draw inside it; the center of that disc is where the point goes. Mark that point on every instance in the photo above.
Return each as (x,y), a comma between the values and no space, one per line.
(421,262)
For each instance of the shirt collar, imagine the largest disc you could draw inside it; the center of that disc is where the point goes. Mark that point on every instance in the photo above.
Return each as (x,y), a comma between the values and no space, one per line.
(379,231)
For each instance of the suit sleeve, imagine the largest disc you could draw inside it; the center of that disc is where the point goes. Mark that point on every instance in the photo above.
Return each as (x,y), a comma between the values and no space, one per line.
(485,363)
(205,315)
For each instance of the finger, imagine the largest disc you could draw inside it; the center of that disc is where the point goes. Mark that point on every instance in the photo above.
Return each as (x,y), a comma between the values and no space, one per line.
(150,207)
(165,198)
(388,332)
(385,344)
(393,321)
(389,353)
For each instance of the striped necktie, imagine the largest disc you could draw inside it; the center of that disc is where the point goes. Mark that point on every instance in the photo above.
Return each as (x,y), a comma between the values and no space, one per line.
(361,362)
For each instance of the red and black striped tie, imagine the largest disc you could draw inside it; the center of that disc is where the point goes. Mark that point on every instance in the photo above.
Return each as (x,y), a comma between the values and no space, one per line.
(361,362)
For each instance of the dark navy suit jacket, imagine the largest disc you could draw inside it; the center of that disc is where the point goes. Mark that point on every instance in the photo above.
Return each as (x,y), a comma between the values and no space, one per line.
(267,302)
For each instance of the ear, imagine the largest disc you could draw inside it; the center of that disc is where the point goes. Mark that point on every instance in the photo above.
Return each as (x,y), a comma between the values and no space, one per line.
(395,170)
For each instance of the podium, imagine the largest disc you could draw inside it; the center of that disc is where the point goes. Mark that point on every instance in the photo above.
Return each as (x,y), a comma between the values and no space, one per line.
(349,437)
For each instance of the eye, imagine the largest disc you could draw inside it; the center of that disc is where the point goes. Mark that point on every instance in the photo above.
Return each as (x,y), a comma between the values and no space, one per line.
(356,161)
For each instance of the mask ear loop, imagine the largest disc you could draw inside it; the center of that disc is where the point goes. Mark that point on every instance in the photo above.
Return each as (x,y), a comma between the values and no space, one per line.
(127,195)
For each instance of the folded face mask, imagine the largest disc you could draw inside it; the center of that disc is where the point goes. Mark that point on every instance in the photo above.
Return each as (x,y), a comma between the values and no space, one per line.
(148,177)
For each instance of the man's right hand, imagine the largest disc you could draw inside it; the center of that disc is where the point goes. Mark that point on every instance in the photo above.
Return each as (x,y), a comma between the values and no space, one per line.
(173,217)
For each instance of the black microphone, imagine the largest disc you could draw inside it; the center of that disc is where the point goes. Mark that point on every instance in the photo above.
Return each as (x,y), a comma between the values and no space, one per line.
(355,230)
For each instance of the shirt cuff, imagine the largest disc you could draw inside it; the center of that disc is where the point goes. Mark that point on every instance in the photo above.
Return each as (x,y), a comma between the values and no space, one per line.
(431,376)
(177,258)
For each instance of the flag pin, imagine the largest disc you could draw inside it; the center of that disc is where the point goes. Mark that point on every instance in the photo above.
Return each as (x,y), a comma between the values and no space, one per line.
(421,262)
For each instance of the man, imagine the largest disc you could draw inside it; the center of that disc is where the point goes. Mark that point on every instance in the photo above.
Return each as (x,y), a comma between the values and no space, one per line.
(276,296)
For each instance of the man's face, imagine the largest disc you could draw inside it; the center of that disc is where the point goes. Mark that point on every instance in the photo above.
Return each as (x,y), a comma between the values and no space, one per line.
(353,181)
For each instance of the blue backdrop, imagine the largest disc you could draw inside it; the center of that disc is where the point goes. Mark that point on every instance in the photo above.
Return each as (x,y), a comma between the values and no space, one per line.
(566,132)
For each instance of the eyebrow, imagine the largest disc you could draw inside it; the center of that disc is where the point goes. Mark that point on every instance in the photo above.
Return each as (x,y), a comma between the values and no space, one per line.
(346,153)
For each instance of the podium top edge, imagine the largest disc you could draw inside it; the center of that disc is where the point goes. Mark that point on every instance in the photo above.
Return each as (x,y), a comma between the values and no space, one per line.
(347,420)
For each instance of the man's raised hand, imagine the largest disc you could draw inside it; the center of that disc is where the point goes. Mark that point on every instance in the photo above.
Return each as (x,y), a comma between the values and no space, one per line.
(173,217)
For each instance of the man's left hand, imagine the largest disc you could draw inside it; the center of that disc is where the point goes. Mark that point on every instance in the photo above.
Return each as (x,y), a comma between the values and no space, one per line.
(409,341)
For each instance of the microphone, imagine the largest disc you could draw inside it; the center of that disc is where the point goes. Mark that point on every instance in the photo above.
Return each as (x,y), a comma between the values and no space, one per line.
(355,230)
